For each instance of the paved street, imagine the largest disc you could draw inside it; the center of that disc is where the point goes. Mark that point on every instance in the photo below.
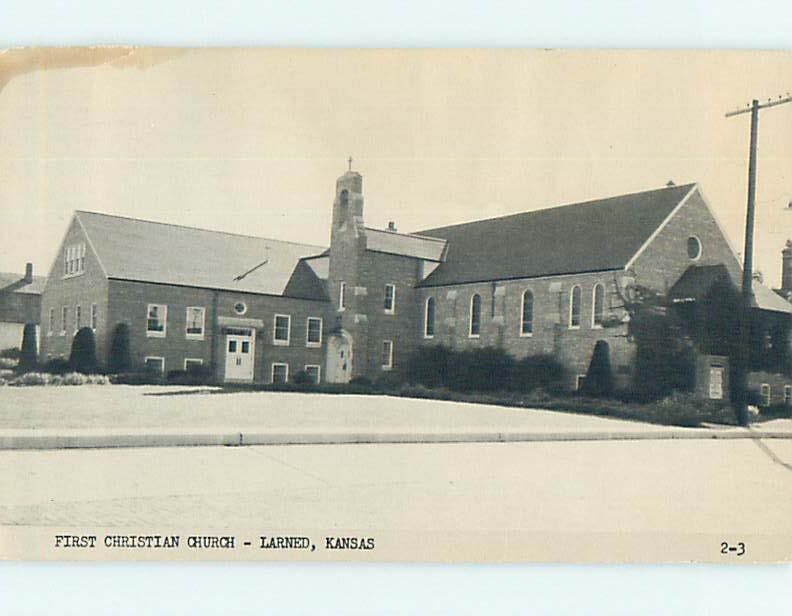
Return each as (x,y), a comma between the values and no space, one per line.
(609,486)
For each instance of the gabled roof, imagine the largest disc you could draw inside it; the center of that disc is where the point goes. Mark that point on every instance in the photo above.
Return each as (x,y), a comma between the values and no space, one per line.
(36,287)
(592,236)
(420,247)
(309,280)
(696,282)
(147,251)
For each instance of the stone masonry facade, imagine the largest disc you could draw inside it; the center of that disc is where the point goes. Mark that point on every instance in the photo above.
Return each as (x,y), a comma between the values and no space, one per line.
(355,282)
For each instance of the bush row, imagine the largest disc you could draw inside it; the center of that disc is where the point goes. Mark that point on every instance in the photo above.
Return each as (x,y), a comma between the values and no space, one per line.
(485,369)
(44,378)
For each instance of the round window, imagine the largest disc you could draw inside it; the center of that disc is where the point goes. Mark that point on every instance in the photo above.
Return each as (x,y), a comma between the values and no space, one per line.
(693,247)
(240,307)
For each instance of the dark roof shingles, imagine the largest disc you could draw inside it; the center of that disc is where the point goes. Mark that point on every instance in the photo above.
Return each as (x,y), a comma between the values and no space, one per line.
(593,236)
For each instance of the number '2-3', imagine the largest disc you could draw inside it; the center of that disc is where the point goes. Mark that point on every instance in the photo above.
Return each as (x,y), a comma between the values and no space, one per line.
(738,549)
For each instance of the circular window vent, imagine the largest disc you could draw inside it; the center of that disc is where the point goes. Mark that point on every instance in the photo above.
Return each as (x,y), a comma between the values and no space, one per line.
(240,307)
(693,247)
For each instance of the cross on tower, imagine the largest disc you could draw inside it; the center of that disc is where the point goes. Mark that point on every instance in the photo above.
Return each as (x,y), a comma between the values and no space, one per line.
(350,163)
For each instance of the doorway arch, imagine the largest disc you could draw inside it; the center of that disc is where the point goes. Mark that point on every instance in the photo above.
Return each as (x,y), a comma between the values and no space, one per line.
(339,357)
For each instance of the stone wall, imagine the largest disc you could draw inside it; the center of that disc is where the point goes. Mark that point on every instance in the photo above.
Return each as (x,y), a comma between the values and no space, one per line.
(664,261)
(501,318)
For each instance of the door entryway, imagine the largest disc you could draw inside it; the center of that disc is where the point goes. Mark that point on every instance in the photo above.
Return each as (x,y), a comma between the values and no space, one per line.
(339,358)
(240,346)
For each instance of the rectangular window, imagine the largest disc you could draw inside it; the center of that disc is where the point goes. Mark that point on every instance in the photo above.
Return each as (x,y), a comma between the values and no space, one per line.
(788,395)
(342,295)
(155,364)
(77,318)
(314,373)
(94,317)
(282,330)
(387,354)
(580,381)
(280,373)
(390,298)
(313,336)
(64,319)
(191,364)
(51,322)
(156,320)
(194,328)
(765,395)
(74,259)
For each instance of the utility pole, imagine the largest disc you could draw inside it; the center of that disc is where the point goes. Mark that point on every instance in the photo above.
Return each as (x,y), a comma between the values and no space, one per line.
(744,350)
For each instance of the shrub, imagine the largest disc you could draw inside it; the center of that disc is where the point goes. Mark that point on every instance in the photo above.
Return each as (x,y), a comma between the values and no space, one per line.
(57,365)
(361,380)
(543,372)
(389,381)
(119,359)
(83,351)
(7,363)
(302,378)
(137,378)
(32,378)
(98,379)
(429,366)
(74,378)
(27,354)
(10,353)
(486,369)
(599,377)
(684,409)
(195,375)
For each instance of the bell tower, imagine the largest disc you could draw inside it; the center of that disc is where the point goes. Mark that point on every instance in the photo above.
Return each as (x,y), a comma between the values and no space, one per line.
(347,290)
(348,204)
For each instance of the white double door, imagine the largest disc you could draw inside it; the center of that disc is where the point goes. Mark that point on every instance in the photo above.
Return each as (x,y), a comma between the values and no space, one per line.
(240,355)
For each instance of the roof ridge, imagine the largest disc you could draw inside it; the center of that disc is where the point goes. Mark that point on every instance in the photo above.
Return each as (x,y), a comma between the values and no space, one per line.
(413,235)
(180,226)
(561,206)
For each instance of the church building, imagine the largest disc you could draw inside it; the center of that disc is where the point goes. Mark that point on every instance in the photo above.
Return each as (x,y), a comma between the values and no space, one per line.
(251,309)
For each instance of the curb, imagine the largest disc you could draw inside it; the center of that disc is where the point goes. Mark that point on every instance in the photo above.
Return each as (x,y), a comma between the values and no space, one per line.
(28,440)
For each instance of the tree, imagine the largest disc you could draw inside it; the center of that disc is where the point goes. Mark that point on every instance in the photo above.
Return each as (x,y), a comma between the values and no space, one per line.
(83,351)
(27,354)
(119,360)
(599,378)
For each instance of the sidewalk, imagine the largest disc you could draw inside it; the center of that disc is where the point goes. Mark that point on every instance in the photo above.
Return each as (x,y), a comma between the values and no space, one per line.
(118,416)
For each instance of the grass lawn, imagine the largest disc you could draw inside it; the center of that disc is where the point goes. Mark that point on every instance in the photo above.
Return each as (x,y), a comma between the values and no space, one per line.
(153,406)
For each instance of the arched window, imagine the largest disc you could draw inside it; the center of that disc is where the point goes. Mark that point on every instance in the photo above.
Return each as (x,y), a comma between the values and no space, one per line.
(429,318)
(475,316)
(597,305)
(574,307)
(526,321)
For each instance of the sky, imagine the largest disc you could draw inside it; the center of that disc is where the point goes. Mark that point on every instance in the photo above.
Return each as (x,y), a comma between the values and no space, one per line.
(251,141)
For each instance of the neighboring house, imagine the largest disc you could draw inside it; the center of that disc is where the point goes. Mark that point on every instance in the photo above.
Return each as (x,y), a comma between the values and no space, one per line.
(20,303)
(547,281)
